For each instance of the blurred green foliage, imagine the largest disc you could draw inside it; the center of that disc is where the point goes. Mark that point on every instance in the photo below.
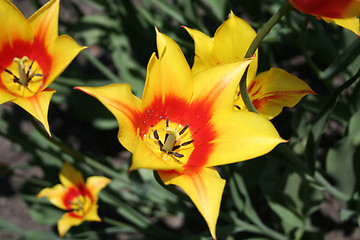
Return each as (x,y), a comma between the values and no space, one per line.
(265,198)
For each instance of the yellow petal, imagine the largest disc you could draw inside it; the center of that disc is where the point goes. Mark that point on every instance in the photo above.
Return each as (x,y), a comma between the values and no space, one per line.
(231,42)
(95,184)
(38,106)
(66,222)
(92,214)
(217,85)
(13,25)
(144,157)
(241,136)
(119,100)
(55,195)
(274,89)
(69,176)
(5,96)
(203,47)
(63,50)
(167,75)
(44,23)
(205,188)
(353,24)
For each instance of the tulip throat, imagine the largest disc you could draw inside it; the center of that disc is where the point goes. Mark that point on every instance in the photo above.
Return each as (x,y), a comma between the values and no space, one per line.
(23,77)
(169,142)
(78,203)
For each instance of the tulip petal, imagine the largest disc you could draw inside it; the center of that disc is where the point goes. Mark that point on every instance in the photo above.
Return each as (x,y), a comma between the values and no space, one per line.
(44,23)
(70,177)
(203,47)
(95,184)
(55,195)
(92,214)
(217,86)
(66,222)
(5,96)
(144,157)
(274,89)
(167,75)
(63,50)
(231,42)
(353,24)
(38,106)
(119,100)
(241,136)
(13,25)
(204,186)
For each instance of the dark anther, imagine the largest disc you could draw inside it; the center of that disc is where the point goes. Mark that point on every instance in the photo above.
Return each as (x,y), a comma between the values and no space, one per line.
(237,107)
(167,121)
(27,74)
(161,145)
(187,143)
(166,136)
(16,79)
(183,130)
(178,155)
(176,147)
(156,135)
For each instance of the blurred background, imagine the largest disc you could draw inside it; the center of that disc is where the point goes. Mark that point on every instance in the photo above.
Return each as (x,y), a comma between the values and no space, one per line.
(262,196)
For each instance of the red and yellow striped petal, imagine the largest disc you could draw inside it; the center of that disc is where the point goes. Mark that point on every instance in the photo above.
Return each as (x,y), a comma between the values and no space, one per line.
(95,184)
(204,186)
(55,195)
(38,106)
(44,23)
(168,74)
(217,86)
(119,100)
(70,177)
(13,25)
(272,90)
(241,136)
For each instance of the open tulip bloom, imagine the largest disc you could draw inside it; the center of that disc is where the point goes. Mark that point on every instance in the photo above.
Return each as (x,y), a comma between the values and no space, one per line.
(269,91)
(77,197)
(186,124)
(341,12)
(32,56)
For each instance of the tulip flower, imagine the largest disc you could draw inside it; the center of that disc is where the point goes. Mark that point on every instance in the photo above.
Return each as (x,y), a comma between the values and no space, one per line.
(269,91)
(185,124)
(32,57)
(77,197)
(342,12)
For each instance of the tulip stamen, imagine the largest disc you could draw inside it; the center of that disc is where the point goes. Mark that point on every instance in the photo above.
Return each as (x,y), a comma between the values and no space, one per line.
(171,139)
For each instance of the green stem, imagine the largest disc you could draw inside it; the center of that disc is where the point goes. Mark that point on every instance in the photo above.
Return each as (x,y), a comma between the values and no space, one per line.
(254,45)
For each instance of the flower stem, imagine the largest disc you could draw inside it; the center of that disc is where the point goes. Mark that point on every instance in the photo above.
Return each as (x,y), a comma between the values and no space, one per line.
(254,45)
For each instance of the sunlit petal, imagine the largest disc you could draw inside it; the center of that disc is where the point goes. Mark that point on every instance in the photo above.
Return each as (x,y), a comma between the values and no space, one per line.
(353,24)
(44,23)
(204,186)
(125,107)
(38,106)
(168,74)
(241,136)
(55,195)
(95,184)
